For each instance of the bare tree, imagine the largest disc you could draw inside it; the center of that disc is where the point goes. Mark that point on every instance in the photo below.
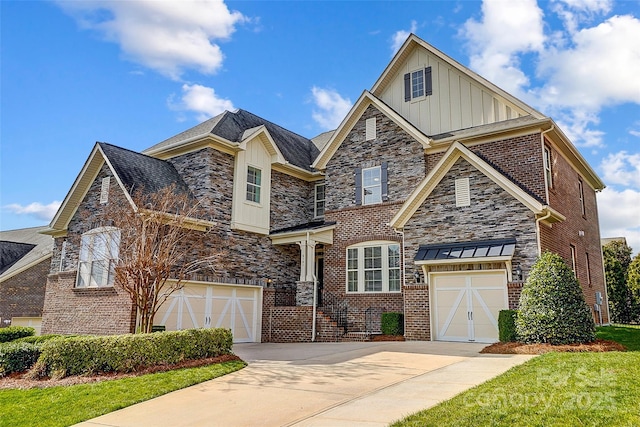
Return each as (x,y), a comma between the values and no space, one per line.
(148,246)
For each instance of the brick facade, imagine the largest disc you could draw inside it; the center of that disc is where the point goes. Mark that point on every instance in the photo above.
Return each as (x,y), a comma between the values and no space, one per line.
(580,230)
(22,295)
(69,310)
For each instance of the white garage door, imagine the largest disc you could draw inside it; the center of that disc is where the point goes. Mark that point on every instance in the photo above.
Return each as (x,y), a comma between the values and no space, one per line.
(465,306)
(215,306)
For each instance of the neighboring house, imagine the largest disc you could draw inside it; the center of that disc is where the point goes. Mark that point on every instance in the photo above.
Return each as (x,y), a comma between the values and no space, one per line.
(25,261)
(432,198)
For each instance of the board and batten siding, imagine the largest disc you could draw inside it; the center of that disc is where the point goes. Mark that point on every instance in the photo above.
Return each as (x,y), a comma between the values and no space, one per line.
(457,102)
(246,215)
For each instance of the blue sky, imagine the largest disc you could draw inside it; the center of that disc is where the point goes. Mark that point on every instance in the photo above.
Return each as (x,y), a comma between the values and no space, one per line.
(134,73)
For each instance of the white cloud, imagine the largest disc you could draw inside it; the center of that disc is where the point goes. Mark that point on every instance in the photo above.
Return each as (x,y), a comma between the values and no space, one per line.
(400,36)
(494,54)
(618,213)
(601,68)
(35,209)
(332,108)
(167,36)
(202,100)
(575,12)
(624,169)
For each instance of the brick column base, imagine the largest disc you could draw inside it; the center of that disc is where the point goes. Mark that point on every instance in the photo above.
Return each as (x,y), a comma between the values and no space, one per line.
(417,322)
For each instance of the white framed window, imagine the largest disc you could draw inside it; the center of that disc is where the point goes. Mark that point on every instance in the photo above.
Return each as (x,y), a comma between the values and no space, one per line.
(318,206)
(254,184)
(371,185)
(418,84)
(99,250)
(547,166)
(573,260)
(373,267)
(581,196)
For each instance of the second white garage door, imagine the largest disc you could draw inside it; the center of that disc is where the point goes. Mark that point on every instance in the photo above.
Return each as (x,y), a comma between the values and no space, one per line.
(465,306)
(215,306)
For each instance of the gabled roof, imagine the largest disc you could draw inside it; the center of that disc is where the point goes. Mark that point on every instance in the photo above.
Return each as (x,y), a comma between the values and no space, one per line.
(414,42)
(131,170)
(358,109)
(21,249)
(231,127)
(456,151)
(140,172)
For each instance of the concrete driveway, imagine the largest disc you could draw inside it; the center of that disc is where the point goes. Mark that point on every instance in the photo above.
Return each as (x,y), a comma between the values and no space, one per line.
(322,384)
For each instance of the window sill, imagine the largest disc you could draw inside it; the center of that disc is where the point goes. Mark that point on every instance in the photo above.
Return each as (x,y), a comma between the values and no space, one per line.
(95,291)
(372,292)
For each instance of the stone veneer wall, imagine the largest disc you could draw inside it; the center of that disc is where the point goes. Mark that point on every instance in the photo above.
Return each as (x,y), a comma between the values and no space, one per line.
(564,197)
(356,224)
(23,294)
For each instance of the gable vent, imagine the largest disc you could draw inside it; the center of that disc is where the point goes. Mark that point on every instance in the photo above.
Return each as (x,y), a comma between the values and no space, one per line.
(463,195)
(370,129)
(104,190)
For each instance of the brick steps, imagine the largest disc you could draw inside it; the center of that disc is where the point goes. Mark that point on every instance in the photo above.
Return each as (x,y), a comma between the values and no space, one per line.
(328,330)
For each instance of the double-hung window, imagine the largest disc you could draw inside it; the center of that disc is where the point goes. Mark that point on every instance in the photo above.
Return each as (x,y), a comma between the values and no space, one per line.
(254,184)
(99,250)
(318,207)
(418,84)
(547,166)
(371,185)
(373,267)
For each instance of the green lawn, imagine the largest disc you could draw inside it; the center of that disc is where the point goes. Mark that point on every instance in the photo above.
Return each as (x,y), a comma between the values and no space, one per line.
(555,389)
(63,406)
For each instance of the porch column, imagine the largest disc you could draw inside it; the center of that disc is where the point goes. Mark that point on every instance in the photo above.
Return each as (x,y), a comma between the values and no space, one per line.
(307,259)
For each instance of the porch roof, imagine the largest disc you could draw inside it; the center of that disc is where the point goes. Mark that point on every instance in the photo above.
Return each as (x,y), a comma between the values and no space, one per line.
(459,252)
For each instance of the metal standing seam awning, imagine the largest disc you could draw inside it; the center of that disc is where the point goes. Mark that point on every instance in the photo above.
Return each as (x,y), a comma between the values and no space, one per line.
(481,251)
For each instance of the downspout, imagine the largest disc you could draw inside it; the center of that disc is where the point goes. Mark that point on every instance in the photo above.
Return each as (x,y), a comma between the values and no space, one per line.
(546,189)
(538,220)
(404,273)
(315,295)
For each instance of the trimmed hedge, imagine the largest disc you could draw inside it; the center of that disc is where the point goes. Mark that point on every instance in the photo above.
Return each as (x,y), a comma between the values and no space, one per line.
(507,325)
(39,339)
(14,332)
(17,357)
(128,353)
(392,323)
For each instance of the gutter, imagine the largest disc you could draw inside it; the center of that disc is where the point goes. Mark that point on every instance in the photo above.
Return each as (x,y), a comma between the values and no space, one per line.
(538,221)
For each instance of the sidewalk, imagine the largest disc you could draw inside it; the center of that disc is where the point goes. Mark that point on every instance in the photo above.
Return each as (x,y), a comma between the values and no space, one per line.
(322,384)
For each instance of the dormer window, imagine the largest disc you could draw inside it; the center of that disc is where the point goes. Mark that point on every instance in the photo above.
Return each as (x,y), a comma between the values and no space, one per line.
(254,180)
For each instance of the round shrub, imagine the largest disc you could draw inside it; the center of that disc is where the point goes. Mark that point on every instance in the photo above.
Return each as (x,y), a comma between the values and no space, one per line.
(17,357)
(552,306)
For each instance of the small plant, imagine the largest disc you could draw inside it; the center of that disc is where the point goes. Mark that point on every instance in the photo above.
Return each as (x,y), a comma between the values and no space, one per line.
(14,332)
(507,325)
(392,323)
(552,306)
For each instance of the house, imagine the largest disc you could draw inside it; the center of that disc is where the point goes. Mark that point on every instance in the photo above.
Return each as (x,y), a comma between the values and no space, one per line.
(432,198)
(25,261)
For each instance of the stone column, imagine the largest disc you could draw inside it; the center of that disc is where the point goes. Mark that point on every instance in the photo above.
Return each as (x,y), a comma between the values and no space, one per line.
(304,293)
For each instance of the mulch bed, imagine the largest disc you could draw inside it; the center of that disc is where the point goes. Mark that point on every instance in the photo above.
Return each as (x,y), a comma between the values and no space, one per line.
(521,348)
(387,338)
(17,381)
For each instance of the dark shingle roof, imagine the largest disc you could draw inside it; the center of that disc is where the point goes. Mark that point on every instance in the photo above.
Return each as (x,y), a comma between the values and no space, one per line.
(296,149)
(12,252)
(303,227)
(138,171)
